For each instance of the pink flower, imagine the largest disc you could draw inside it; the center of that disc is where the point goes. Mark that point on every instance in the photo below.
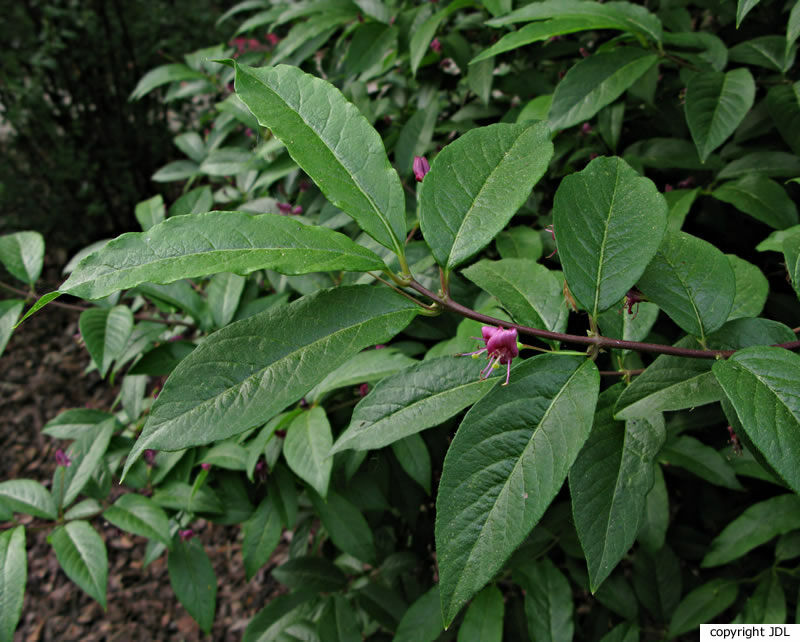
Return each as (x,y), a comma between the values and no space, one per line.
(421,167)
(149,456)
(363,389)
(205,466)
(186,534)
(285,208)
(501,348)
(436,45)
(62,459)
(273,39)
(586,128)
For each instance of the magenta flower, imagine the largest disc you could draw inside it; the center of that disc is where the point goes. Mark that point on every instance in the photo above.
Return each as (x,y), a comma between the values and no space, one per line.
(205,466)
(62,459)
(285,208)
(420,167)
(436,45)
(363,389)
(501,348)
(149,456)
(186,534)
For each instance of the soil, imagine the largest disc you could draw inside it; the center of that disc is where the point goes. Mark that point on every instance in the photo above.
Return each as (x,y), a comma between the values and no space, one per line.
(42,373)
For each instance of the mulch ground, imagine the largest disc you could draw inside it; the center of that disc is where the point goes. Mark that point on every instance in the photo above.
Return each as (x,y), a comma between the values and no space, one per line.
(42,374)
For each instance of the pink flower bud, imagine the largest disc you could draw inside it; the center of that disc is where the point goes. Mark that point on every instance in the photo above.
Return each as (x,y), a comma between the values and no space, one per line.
(363,389)
(436,45)
(205,466)
(420,167)
(149,456)
(186,534)
(62,459)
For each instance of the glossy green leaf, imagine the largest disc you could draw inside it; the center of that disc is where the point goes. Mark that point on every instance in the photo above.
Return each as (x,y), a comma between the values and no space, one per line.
(483,621)
(87,454)
(774,242)
(307,446)
(531,293)
(138,514)
(508,460)
(263,363)
(338,622)
(81,552)
(761,384)
(793,27)
(193,579)
(29,497)
(150,212)
(743,7)
(761,198)
(548,601)
(767,604)
(655,517)
(692,281)
(224,292)
(693,455)
(310,573)
(22,254)
(415,138)
(422,622)
(752,289)
(422,36)
(165,74)
(13,576)
(181,496)
(657,581)
(783,102)
(624,632)
(195,201)
(757,525)
(715,104)
(609,482)
(260,535)
(10,309)
(609,222)
(519,243)
(215,242)
(417,398)
(227,455)
(332,142)
(769,52)
(476,184)
(412,453)
(626,16)
(106,332)
(667,153)
(271,621)
(702,605)
(345,525)
(84,510)
(780,164)
(791,255)
(595,82)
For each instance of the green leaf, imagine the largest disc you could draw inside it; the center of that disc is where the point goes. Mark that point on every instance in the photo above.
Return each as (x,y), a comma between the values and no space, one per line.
(767,604)
(82,555)
(13,576)
(346,526)
(224,292)
(310,573)
(626,16)
(519,243)
(761,384)
(743,7)
(106,332)
(657,581)
(761,198)
(625,632)
(780,164)
(10,310)
(463,205)
(609,482)
(139,515)
(792,27)
(415,137)
(702,605)
(194,202)
(548,601)
(595,82)
(307,446)
(181,496)
(261,534)
(417,398)
(87,455)
(273,357)
(423,34)
(422,622)
(333,143)
(774,242)
(791,255)
(483,621)
(668,153)
(227,161)
(29,497)
(23,254)
(150,212)
(531,293)
(757,525)
(715,104)
(692,281)
(752,289)
(783,103)
(215,242)
(412,453)
(176,171)
(73,423)
(193,580)
(508,460)
(40,303)
(338,622)
(701,460)
(769,52)
(84,510)
(271,621)
(176,72)
(655,519)
(608,221)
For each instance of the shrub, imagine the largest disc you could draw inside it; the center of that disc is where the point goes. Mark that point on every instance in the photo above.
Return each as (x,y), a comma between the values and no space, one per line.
(607,184)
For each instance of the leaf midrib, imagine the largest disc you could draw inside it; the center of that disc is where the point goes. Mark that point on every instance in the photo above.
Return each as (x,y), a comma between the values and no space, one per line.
(600,263)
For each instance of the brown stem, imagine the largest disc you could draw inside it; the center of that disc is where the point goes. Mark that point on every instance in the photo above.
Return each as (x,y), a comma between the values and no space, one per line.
(598,341)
